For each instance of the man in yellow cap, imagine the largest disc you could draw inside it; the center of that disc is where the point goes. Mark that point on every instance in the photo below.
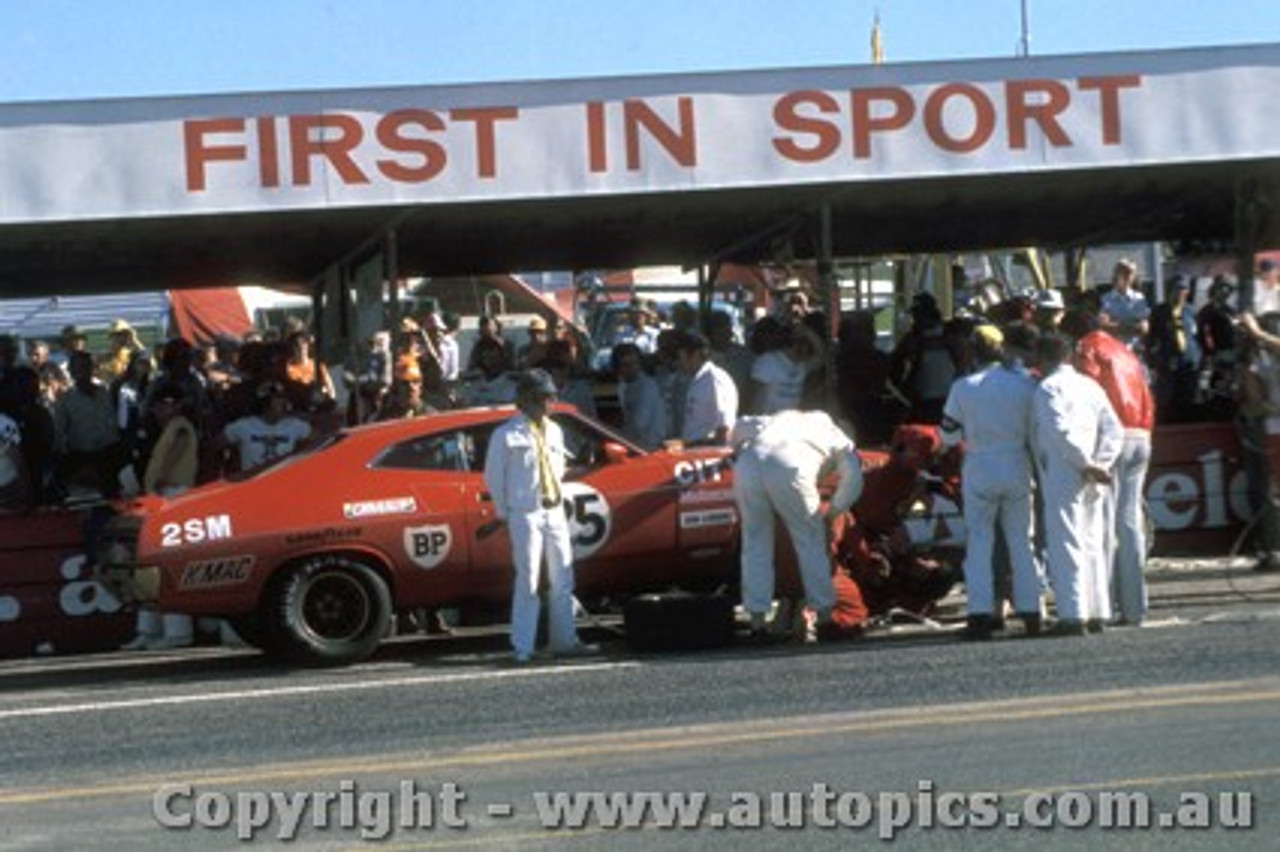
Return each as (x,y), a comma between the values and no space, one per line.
(990,411)
(531,354)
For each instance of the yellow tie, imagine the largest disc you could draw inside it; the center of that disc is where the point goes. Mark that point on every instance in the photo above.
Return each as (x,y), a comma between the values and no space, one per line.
(547,483)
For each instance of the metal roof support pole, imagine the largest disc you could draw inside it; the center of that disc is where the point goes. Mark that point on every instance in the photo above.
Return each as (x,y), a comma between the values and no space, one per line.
(1250,214)
(317,325)
(706,285)
(1253,209)
(829,298)
(391,276)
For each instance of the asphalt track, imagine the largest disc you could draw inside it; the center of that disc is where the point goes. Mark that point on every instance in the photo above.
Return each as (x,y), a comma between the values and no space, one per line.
(99,751)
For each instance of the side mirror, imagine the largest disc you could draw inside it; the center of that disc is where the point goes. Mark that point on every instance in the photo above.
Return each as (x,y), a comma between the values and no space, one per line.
(615,453)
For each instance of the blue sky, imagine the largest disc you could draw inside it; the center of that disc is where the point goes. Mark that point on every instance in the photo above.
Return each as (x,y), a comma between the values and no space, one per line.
(63,49)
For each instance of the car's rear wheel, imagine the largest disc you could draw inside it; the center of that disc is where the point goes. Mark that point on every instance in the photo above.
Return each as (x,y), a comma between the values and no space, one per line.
(331,610)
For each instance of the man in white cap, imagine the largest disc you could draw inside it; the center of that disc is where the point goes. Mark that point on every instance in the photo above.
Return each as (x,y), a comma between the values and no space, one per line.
(990,411)
(523,469)
(1049,309)
(781,458)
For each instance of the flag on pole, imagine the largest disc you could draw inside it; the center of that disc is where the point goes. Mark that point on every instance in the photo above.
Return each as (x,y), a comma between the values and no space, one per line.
(877,43)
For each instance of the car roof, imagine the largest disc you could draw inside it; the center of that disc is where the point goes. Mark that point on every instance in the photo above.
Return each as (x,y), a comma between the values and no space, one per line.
(391,430)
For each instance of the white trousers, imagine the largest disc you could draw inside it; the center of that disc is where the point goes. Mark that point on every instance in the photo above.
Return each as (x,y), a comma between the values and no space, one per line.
(544,532)
(1127,578)
(1075,524)
(761,486)
(997,485)
(150,622)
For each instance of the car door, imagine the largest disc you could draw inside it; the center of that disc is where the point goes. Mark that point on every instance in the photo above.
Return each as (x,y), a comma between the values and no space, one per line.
(419,517)
(620,504)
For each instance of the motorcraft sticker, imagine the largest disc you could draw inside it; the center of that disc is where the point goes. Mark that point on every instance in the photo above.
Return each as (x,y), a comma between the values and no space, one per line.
(375,508)
(428,546)
(715,495)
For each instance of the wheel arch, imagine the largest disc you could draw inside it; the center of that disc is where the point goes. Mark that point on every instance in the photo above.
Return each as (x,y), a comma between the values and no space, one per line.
(370,557)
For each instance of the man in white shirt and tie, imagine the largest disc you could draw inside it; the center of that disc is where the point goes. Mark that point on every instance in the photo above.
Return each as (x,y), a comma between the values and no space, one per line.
(711,402)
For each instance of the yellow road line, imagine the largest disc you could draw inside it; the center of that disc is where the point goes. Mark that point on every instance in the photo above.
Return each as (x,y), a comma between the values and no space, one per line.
(703,737)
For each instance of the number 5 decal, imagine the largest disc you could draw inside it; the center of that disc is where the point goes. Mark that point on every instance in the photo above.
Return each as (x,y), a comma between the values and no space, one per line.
(590,520)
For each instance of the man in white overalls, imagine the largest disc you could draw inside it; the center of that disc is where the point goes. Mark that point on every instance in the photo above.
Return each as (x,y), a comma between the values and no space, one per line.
(1077,439)
(990,410)
(523,469)
(781,458)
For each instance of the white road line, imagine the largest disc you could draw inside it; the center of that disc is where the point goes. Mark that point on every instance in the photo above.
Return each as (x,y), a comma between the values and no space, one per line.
(290,691)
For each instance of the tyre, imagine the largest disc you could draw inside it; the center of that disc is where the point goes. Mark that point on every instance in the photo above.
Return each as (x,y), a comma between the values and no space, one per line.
(678,621)
(330,610)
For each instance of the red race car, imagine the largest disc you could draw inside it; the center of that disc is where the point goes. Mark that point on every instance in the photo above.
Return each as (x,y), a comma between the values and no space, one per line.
(309,558)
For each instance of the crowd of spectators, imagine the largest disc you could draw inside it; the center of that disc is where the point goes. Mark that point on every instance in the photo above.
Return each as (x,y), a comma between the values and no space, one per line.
(89,423)
(76,420)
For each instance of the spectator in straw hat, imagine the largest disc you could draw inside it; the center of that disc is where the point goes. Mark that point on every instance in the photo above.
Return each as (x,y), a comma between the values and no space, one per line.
(124,342)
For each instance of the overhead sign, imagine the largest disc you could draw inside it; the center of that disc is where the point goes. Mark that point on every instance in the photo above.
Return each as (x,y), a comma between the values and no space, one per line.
(237,153)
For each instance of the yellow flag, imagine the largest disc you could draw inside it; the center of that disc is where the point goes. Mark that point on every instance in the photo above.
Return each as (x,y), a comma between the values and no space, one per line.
(877,43)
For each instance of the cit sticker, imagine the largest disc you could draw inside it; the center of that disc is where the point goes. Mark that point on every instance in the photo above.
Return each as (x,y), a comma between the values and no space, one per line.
(694,471)
(428,546)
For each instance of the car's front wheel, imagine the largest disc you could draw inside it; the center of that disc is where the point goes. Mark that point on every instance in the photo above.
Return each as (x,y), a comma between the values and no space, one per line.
(331,610)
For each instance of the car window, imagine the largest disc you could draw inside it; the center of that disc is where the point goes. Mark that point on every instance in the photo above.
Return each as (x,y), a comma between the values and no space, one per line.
(475,444)
(584,445)
(442,451)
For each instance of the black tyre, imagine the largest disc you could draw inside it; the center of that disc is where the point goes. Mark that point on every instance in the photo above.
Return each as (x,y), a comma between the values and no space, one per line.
(678,621)
(331,610)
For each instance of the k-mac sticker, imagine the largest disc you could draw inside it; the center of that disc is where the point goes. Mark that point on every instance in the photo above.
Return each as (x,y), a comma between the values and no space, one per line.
(208,573)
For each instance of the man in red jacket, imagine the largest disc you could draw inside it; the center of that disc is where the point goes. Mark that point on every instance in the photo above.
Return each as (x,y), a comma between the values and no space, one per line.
(1114,366)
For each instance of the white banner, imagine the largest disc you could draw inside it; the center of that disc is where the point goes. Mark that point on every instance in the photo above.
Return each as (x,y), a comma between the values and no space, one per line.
(240,153)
